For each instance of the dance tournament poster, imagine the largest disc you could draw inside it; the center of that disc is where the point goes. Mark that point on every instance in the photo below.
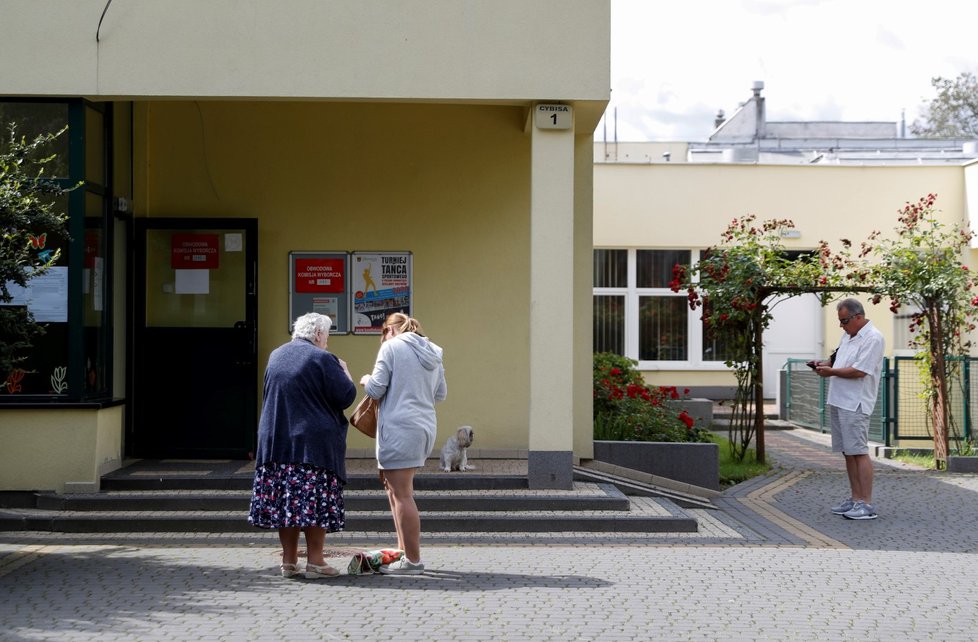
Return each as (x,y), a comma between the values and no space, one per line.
(381,285)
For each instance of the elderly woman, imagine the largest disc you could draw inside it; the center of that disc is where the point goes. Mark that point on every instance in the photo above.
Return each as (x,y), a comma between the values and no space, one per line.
(408,378)
(300,465)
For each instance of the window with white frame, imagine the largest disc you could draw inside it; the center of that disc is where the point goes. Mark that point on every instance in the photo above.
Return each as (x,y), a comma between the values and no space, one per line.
(637,315)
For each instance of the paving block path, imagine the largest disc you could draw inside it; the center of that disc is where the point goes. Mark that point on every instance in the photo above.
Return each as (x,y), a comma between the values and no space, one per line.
(771,563)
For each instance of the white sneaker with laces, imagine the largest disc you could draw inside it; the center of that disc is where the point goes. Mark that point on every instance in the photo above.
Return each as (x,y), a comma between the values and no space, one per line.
(844,507)
(403,566)
(861,510)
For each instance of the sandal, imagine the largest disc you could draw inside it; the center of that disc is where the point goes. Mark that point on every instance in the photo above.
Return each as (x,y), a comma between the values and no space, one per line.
(290,570)
(314,572)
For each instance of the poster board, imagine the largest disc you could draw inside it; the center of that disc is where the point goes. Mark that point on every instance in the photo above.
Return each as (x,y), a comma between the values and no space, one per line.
(320,282)
(381,284)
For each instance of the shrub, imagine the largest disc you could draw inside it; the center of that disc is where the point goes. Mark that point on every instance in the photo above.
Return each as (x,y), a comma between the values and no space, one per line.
(628,409)
(28,212)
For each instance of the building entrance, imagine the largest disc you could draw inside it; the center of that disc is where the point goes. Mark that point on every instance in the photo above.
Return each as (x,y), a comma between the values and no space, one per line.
(194,382)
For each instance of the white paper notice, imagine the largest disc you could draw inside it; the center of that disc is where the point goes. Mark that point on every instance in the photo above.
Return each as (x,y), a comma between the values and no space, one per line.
(49,296)
(232,242)
(192,281)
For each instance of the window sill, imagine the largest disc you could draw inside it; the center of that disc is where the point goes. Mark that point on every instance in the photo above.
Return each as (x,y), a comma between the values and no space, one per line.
(36,403)
(705,366)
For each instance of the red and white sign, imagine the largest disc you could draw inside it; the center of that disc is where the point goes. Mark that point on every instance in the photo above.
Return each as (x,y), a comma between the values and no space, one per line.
(194,251)
(320,275)
(92,244)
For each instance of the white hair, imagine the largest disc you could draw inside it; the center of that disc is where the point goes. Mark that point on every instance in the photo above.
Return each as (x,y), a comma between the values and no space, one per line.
(308,324)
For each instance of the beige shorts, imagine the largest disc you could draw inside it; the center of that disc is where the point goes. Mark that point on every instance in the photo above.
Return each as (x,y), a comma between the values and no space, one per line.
(850,431)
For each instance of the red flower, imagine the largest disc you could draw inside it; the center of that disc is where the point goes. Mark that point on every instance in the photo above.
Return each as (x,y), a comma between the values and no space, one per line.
(686,419)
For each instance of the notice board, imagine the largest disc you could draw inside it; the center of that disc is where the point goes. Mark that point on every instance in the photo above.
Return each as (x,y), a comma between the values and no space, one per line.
(320,282)
(381,285)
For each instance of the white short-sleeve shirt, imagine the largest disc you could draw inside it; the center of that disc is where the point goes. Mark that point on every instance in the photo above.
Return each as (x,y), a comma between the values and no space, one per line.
(864,352)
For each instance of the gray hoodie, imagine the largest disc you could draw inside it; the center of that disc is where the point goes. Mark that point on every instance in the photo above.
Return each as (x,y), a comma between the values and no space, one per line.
(408,378)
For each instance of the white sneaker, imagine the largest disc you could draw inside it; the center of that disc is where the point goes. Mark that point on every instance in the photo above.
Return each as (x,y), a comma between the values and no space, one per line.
(861,510)
(403,566)
(844,507)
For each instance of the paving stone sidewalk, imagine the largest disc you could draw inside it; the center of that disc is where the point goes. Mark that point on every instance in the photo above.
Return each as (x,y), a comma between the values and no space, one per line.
(770,564)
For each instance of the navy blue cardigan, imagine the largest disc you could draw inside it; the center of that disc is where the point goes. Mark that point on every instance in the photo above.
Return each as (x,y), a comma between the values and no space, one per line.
(302,420)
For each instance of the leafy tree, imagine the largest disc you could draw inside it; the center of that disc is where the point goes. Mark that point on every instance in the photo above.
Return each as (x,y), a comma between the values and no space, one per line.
(27,209)
(739,282)
(922,268)
(954,111)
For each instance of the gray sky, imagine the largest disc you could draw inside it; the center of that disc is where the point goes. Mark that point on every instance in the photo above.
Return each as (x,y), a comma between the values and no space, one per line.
(674,64)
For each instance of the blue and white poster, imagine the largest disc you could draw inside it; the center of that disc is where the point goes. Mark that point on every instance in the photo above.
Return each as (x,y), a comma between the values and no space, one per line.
(381,285)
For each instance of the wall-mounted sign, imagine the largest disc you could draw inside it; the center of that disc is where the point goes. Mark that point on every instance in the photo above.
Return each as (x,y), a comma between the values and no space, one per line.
(190,251)
(319,282)
(381,285)
(553,116)
(320,274)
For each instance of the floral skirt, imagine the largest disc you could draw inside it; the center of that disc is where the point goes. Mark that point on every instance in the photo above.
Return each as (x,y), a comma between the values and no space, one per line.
(296,495)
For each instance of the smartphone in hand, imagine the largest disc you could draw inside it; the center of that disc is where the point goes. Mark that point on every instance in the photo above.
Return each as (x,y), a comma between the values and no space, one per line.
(811,364)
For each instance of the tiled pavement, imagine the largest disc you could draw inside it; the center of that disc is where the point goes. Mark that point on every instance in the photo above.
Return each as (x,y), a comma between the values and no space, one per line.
(770,564)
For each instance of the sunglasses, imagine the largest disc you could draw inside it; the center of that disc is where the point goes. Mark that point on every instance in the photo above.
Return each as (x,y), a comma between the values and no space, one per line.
(846,320)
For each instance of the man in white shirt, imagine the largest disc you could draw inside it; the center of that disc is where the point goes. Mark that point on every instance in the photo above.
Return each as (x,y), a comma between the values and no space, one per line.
(852,396)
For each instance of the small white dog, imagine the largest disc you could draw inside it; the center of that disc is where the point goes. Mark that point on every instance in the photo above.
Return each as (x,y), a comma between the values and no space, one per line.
(453,455)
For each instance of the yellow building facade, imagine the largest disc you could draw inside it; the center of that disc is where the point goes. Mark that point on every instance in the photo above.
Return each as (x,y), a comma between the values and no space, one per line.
(317,127)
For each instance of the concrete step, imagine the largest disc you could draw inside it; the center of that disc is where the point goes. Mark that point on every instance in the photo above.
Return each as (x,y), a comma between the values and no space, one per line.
(633,482)
(213,497)
(356,481)
(370,522)
(593,497)
(723,410)
(587,507)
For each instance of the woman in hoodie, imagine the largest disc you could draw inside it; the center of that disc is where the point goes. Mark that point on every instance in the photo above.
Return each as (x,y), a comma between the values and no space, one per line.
(408,378)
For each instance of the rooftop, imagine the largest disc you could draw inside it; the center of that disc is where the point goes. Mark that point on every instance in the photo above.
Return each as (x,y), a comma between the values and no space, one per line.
(748,137)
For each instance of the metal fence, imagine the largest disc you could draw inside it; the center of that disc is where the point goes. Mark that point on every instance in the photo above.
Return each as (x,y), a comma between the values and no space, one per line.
(805,394)
(901,413)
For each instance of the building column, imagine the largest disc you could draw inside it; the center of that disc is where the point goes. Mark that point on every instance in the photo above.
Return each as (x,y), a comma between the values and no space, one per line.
(551,421)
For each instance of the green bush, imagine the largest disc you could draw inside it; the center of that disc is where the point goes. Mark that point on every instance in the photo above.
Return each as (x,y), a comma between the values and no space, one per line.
(627,409)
